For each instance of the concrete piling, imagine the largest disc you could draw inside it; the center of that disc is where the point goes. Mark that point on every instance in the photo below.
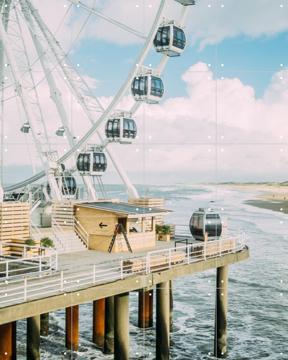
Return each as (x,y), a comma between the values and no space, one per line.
(162,321)
(171,304)
(109,326)
(44,324)
(8,341)
(121,311)
(220,339)
(99,322)
(72,328)
(145,309)
(33,338)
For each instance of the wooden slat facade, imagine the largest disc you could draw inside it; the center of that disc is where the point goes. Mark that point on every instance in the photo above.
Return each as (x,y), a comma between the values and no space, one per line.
(14,221)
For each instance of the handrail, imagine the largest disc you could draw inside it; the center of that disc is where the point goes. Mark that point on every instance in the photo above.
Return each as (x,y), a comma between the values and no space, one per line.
(71,279)
(81,232)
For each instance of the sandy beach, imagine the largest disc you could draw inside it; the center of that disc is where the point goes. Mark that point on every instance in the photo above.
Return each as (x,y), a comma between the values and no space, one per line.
(273,196)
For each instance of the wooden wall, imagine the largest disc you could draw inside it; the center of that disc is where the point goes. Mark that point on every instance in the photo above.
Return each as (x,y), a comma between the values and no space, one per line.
(14,221)
(100,237)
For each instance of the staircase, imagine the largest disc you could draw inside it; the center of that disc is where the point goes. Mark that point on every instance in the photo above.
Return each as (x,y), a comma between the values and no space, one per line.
(65,241)
(66,232)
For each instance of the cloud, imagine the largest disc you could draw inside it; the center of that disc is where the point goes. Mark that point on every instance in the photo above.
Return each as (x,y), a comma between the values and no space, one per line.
(219,127)
(208,22)
(182,134)
(211,22)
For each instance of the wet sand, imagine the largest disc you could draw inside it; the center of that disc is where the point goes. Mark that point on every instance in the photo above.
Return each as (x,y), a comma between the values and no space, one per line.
(273,196)
(276,205)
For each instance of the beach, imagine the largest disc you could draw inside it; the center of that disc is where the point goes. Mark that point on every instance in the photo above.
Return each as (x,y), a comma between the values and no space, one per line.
(270,196)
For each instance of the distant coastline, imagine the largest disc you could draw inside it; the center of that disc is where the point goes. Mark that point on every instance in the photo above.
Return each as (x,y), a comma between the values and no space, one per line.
(273,196)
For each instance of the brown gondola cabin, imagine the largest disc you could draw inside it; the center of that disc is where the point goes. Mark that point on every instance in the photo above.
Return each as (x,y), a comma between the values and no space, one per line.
(117,226)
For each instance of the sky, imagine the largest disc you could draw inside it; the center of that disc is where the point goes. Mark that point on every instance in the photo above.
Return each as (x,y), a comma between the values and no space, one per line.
(224,113)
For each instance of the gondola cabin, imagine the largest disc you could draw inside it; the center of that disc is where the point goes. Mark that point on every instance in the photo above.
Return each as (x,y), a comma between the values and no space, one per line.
(116,226)
(148,87)
(67,184)
(205,224)
(170,39)
(186,2)
(121,129)
(25,128)
(60,131)
(92,162)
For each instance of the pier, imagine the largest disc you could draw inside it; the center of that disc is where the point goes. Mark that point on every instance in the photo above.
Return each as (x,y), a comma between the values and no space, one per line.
(86,277)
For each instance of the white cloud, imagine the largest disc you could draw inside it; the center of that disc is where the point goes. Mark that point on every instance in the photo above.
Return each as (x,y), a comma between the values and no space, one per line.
(209,21)
(210,25)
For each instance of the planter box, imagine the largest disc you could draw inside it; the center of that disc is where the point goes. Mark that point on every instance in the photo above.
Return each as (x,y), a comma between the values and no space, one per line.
(163,237)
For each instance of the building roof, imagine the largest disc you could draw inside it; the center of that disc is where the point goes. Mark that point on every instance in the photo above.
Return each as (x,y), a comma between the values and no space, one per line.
(124,208)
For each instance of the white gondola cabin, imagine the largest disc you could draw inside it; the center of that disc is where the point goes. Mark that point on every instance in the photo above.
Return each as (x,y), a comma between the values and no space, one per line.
(121,128)
(92,162)
(170,39)
(60,131)
(186,2)
(205,224)
(147,86)
(67,184)
(25,128)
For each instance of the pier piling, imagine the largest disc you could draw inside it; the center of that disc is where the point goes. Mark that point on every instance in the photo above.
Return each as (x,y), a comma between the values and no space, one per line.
(145,309)
(99,322)
(33,338)
(109,326)
(171,304)
(162,321)
(72,328)
(121,311)
(44,324)
(8,341)
(220,340)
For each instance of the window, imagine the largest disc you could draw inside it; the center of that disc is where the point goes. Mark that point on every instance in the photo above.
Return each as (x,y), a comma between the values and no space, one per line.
(157,88)
(179,38)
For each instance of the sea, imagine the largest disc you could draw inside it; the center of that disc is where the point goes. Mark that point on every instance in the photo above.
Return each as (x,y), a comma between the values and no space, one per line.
(258,291)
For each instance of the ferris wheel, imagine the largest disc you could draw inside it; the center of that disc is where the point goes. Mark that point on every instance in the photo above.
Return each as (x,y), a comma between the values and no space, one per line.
(29,48)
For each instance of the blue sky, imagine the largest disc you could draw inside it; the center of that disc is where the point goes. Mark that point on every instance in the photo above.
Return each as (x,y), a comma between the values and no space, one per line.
(252,60)
(253,98)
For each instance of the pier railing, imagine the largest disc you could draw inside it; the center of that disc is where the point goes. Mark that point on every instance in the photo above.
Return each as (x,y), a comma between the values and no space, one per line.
(17,260)
(73,279)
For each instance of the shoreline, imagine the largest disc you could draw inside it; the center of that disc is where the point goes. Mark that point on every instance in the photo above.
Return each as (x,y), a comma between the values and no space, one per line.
(277,205)
(272,196)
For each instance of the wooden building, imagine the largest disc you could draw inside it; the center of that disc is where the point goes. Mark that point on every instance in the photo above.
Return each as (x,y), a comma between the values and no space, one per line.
(100,221)
(14,221)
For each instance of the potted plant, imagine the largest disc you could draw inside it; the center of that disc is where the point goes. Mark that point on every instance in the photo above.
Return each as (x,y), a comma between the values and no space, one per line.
(163,232)
(28,250)
(46,243)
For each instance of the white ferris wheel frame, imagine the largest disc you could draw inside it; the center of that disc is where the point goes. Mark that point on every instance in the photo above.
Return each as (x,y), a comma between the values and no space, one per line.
(72,77)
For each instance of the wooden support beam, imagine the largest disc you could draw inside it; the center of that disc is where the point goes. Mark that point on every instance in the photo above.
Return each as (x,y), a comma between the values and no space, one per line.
(145,309)
(99,322)
(8,341)
(72,328)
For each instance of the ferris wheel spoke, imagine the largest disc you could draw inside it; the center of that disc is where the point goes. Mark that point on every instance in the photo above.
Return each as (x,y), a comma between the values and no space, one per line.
(80,89)
(54,91)
(109,19)
(20,90)
(33,94)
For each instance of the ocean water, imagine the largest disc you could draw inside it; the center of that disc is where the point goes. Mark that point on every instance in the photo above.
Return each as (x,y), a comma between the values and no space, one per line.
(258,291)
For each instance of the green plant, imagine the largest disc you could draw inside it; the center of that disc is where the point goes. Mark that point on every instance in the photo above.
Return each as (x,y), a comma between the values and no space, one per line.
(30,242)
(163,229)
(47,242)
